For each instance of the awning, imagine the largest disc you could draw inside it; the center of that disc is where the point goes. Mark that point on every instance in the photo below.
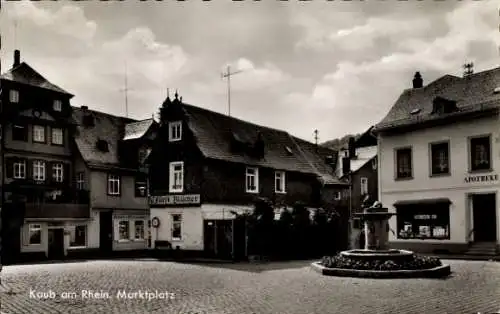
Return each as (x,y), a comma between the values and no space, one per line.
(425,201)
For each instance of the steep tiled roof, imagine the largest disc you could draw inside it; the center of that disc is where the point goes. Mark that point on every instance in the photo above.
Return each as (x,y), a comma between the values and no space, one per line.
(25,74)
(106,127)
(137,129)
(471,93)
(214,133)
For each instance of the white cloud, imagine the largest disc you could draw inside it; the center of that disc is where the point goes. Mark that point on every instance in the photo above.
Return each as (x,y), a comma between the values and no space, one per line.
(68,20)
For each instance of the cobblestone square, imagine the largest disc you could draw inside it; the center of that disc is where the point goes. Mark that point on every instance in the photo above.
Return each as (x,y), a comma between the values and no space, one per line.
(149,286)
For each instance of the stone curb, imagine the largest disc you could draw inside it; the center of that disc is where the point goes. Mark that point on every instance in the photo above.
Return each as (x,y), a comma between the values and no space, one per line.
(437,272)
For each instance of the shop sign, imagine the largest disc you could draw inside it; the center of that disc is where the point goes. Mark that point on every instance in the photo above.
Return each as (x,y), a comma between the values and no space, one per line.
(155,222)
(186,199)
(481,178)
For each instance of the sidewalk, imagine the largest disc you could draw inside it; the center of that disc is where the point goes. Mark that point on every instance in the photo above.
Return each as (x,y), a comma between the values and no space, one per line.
(465,257)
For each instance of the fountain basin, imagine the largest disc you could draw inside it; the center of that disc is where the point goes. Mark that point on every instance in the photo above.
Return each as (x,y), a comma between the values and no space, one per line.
(381,255)
(436,272)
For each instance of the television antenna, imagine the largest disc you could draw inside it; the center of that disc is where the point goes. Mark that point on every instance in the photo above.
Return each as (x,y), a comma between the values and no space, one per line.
(228,75)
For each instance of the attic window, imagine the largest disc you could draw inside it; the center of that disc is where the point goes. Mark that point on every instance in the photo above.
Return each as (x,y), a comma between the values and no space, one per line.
(415,111)
(442,105)
(102,145)
(288,150)
(496,90)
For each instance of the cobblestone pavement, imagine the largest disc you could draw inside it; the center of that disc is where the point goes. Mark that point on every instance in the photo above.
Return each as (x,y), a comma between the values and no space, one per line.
(288,288)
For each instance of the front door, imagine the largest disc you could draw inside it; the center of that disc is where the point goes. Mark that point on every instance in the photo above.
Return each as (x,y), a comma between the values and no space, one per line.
(56,243)
(209,238)
(106,232)
(484,217)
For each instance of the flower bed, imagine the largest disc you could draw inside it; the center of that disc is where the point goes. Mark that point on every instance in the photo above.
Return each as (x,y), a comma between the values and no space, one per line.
(417,263)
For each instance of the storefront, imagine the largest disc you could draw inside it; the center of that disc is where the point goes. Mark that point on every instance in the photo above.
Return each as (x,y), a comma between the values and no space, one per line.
(130,230)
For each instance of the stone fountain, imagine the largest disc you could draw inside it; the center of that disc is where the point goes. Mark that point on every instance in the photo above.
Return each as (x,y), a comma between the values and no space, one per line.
(377,259)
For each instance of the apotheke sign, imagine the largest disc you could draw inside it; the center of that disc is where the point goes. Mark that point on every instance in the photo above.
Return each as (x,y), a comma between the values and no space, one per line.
(186,199)
(481,178)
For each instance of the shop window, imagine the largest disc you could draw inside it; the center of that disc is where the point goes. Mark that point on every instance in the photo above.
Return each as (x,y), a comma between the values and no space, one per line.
(124,231)
(423,221)
(139,229)
(176,227)
(35,234)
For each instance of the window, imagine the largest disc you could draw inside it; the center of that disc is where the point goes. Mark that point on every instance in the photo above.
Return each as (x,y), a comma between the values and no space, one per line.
(39,134)
(78,236)
(252,180)
(57,136)
(480,153)
(364,186)
(80,181)
(57,105)
(57,172)
(123,230)
(279,181)
(35,234)
(139,229)
(19,170)
(141,186)
(174,131)
(423,221)
(39,170)
(14,96)
(113,184)
(19,133)
(403,163)
(176,227)
(337,195)
(440,158)
(176,176)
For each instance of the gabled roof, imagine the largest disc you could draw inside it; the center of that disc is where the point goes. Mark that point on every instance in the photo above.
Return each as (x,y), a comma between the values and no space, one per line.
(471,93)
(137,129)
(106,127)
(214,133)
(25,74)
(363,156)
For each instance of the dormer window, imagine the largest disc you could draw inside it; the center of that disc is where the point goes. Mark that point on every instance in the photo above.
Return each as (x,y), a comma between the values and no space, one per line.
(102,145)
(14,96)
(174,131)
(57,105)
(442,105)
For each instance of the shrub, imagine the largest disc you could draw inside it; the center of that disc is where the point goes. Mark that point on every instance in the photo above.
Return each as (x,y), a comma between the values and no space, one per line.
(418,262)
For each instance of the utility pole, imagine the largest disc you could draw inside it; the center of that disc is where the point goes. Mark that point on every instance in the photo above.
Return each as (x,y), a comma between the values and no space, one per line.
(228,75)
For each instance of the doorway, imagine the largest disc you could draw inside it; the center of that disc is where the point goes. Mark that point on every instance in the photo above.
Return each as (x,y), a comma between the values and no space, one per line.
(106,232)
(218,238)
(484,217)
(56,243)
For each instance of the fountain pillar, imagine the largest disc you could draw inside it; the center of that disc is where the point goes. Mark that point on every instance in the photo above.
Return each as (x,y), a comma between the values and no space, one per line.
(376,228)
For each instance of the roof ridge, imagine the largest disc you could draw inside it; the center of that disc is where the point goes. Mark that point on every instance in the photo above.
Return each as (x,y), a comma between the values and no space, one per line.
(233,118)
(107,114)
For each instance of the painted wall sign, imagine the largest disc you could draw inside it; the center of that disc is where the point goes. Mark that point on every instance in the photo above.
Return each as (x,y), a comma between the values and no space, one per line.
(175,199)
(481,178)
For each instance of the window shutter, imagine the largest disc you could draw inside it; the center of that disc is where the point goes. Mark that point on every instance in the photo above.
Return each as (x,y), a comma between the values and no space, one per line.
(49,172)
(29,168)
(66,173)
(9,163)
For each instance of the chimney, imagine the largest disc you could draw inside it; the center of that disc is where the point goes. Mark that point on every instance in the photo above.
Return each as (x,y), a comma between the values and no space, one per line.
(85,108)
(418,82)
(17,58)
(351,147)
(346,165)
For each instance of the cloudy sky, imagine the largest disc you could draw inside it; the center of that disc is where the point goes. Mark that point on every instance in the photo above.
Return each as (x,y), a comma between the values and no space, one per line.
(327,65)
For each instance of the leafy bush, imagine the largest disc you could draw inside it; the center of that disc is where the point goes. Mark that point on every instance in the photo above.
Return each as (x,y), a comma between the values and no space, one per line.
(418,262)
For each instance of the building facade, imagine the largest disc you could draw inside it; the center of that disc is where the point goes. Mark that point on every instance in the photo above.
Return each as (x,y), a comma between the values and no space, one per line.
(358,166)
(111,152)
(207,168)
(438,164)
(42,208)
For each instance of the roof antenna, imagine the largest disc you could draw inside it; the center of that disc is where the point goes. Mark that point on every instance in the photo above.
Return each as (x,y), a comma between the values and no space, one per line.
(228,75)
(125,90)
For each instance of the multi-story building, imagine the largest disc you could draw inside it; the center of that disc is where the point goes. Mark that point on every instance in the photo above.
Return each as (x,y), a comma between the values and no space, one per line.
(206,168)
(358,166)
(439,161)
(42,207)
(111,152)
